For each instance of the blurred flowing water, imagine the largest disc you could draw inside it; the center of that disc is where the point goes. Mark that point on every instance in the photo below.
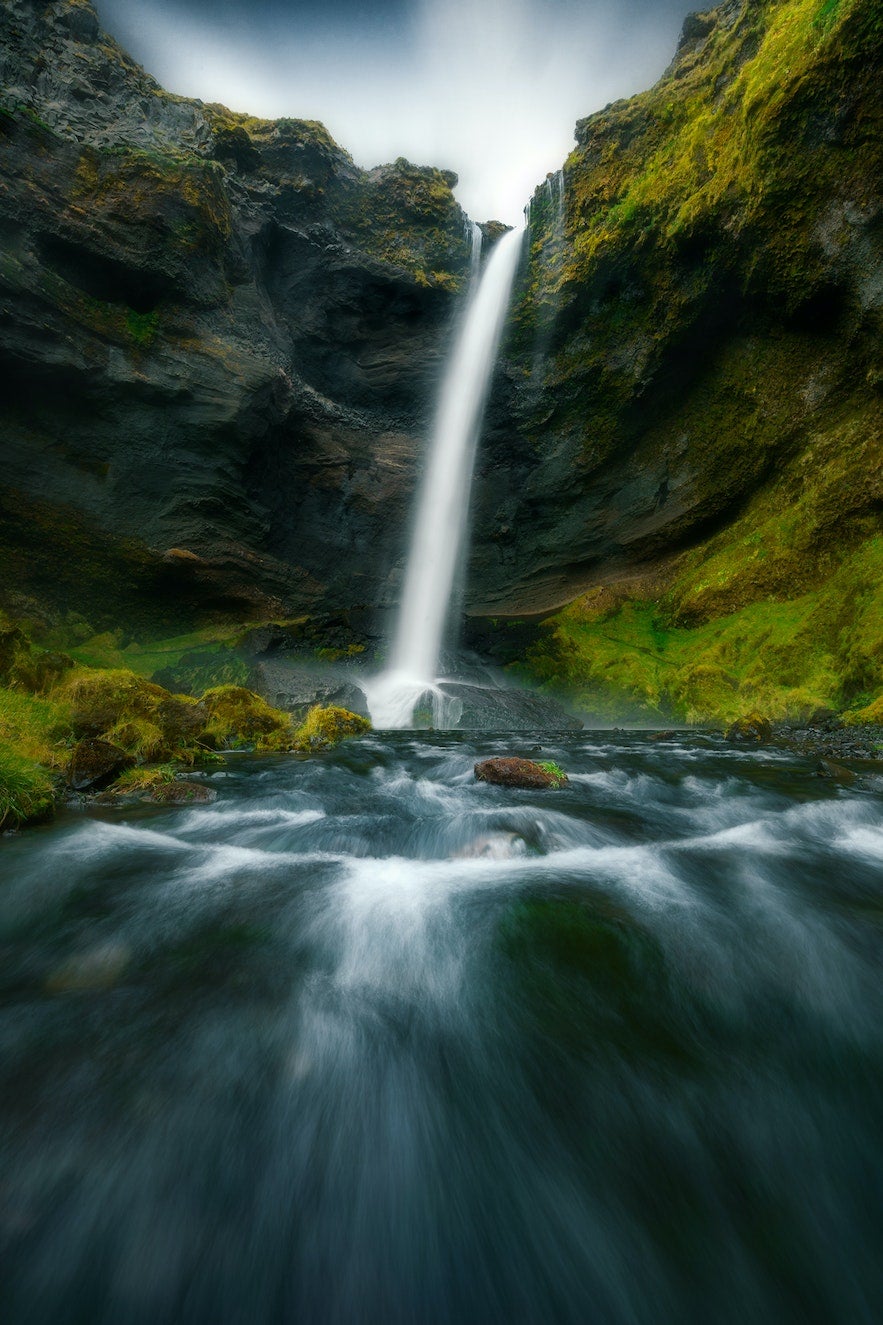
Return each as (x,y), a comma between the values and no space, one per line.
(365,1041)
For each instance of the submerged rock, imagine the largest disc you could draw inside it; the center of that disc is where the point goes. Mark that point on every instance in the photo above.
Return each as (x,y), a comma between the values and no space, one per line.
(95,968)
(827,768)
(517,773)
(95,763)
(493,846)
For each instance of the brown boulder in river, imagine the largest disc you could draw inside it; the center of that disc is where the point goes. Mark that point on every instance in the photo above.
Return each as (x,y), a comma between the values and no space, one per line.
(517,773)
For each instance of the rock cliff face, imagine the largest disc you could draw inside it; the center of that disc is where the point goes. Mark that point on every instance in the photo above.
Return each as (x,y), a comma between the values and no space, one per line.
(219,340)
(699,321)
(686,441)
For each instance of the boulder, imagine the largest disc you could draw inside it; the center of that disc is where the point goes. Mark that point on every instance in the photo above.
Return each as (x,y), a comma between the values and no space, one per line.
(517,773)
(95,763)
(750,730)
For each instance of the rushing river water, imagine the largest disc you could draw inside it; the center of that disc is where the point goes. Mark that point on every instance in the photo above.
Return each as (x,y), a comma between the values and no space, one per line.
(365,1042)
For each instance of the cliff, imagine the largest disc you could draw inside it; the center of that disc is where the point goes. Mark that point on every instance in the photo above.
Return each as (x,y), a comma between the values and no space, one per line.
(219,337)
(685,441)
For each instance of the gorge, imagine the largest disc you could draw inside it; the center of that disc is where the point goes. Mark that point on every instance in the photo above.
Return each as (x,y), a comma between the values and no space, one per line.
(245,333)
(441,702)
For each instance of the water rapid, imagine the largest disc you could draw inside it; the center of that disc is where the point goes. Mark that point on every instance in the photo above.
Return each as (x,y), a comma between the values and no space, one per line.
(368,1043)
(441,517)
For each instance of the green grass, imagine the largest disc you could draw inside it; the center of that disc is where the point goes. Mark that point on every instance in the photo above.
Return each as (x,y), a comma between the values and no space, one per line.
(26,791)
(554,770)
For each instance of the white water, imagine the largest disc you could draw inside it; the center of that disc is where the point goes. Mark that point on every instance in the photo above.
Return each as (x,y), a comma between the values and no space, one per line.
(444,500)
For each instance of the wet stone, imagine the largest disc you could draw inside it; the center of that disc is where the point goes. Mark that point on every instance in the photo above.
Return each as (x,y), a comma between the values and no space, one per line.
(95,763)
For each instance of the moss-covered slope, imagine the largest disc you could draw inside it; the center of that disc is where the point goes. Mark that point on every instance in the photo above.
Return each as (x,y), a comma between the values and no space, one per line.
(688,433)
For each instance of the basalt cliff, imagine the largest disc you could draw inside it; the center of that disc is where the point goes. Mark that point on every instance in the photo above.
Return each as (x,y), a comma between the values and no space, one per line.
(220,340)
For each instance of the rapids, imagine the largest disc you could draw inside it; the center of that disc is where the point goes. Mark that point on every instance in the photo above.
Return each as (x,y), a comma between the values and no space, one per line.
(366,1042)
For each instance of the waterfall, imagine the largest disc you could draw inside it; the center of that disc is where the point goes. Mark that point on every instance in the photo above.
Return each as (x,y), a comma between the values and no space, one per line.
(444,499)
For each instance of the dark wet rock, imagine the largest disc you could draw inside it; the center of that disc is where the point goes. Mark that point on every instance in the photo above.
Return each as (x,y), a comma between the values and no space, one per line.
(286,686)
(496,708)
(95,763)
(835,743)
(522,773)
(183,793)
(235,287)
(662,736)
(827,719)
(753,729)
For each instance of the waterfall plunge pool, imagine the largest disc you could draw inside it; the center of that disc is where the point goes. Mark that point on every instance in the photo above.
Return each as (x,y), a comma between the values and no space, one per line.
(365,1041)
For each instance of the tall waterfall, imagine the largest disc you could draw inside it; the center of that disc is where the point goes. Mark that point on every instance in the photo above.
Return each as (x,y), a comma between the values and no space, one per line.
(444,499)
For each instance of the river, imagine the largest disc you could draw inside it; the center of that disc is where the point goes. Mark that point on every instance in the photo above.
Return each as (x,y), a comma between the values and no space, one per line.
(365,1042)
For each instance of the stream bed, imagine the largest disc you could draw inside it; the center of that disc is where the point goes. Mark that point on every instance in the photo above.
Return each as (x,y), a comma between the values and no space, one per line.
(365,1042)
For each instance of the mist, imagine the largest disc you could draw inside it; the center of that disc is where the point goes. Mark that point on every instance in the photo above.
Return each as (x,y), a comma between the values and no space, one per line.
(489,91)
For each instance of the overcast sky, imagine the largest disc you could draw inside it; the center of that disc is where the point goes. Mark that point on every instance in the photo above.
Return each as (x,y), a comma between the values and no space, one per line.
(490,90)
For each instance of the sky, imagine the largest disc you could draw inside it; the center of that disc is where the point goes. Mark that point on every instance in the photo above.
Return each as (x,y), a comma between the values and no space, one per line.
(490,90)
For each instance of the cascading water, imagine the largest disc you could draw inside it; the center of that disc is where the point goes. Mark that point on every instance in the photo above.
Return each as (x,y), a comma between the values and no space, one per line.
(441,514)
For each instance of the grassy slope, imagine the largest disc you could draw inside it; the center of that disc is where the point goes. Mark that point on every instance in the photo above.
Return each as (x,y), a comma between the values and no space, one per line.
(748,178)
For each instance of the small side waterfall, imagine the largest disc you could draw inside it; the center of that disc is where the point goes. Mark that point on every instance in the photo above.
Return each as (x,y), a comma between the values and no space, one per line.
(444,499)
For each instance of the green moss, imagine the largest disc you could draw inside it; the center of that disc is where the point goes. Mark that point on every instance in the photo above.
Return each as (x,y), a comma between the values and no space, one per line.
(34,740)
(143,719)
(35,727)
(326,727)
(142,327)
(630,660)
(554,770)
(237,717)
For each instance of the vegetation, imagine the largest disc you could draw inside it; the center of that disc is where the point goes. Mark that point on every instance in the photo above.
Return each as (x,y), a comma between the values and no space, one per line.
(554,770)
(623,658)
(161,731)
(325,727)
(697,310)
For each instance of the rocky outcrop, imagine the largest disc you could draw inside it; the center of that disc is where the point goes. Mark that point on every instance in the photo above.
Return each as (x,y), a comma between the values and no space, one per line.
(219,340)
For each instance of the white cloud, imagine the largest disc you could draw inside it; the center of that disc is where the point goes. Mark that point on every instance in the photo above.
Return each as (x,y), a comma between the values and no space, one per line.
(489,90)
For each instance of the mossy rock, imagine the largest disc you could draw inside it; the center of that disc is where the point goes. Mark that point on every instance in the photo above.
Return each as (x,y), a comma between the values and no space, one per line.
(753,729)
(326,727)
(237,717)
(137,715)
